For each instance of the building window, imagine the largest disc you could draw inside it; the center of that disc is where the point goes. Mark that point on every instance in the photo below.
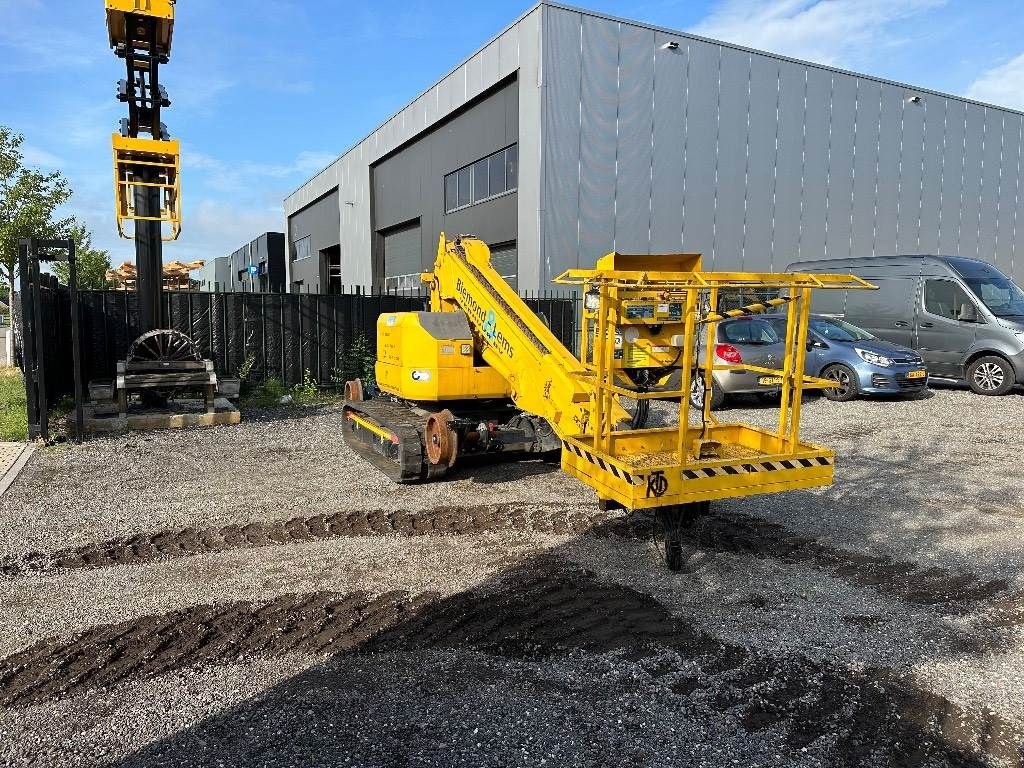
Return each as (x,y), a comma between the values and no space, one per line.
(302,248)
(480,180)
(512,166)
(465,196)
(487,178)
(451,189)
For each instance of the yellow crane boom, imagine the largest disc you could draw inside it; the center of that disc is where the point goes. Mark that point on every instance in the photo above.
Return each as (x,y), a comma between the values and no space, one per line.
(543,377)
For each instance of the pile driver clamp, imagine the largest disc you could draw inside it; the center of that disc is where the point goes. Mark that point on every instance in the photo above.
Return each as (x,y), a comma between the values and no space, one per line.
(481,373)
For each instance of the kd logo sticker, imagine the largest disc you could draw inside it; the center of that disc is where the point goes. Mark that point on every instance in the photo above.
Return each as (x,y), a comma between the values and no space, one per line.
(657,484)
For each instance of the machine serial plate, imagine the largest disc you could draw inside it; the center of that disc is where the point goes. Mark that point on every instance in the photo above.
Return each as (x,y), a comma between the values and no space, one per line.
(654,311)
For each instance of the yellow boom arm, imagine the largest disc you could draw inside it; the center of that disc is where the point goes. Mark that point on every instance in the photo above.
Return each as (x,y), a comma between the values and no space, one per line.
(544,377)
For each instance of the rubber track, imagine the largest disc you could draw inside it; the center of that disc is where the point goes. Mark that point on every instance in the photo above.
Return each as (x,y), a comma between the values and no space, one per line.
(401,421)
(866,716)
(445,521)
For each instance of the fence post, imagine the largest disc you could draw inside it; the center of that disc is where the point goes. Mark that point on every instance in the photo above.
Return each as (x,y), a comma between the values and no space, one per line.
(263,333)
(28,337)
(302,368)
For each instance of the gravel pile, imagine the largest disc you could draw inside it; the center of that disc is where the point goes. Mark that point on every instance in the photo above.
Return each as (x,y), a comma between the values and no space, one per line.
(877,622)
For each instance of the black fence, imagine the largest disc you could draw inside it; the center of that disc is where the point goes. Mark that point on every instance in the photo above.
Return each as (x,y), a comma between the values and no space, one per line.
(54,323)
(254,335)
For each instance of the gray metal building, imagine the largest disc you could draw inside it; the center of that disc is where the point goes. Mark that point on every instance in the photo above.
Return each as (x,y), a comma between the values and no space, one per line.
(256,267)
(572,134)
(215,275)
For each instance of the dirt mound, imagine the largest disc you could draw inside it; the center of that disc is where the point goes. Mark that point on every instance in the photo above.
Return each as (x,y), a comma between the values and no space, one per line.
(107,655)
(856,717)
(437,522)
(733,534)
(738,534)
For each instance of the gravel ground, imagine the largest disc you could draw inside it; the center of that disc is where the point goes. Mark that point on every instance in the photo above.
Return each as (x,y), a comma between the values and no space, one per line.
(265,598)
(271,466)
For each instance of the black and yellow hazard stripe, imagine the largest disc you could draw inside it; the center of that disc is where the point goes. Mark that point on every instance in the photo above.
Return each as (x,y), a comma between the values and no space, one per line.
(749,468)
(746,310)
(597,461)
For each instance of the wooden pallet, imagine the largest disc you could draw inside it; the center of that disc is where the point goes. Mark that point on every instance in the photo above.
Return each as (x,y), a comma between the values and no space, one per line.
(107,418)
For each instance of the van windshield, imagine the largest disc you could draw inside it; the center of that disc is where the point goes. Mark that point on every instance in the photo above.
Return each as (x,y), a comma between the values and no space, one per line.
(998,293)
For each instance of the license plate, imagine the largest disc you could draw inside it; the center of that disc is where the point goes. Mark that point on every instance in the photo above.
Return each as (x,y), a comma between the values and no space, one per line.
(768,381)
(917,374)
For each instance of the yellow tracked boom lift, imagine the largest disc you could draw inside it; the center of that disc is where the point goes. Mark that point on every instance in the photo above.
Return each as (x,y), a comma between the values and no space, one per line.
(481,373)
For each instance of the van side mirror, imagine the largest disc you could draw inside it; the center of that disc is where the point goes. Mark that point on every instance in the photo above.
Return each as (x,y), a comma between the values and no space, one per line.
(968,313)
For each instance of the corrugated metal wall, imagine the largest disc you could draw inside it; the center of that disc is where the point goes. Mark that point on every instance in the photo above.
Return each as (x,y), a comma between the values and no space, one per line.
(758,161)
(515,49)
(409,184)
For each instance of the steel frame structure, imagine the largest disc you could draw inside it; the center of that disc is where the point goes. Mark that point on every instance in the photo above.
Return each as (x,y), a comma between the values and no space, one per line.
(688,463)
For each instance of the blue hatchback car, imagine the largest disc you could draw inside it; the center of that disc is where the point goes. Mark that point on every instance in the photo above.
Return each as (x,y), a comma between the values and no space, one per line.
(860,364)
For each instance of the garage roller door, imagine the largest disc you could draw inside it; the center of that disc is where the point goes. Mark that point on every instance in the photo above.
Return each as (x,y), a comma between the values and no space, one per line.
(505,260)
(402,258)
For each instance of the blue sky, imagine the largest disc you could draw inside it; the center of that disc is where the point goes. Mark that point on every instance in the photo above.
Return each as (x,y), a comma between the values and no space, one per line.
(266,96)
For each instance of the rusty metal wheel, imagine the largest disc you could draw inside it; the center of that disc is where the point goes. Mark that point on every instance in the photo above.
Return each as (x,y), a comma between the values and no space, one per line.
(354,391)
(158,351)
(164,347)
(441,440)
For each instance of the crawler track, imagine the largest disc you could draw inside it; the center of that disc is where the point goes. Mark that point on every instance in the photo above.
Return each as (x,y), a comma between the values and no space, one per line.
(401,461)
(863,716)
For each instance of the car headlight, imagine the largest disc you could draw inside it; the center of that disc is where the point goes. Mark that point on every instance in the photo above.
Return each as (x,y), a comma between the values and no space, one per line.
(873,357)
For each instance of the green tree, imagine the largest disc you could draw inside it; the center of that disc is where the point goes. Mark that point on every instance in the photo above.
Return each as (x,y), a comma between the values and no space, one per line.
(92,263)
(28,201)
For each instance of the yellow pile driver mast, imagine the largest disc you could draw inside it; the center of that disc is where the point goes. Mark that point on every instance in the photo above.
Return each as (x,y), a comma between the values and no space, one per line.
(481,373)
(146,170)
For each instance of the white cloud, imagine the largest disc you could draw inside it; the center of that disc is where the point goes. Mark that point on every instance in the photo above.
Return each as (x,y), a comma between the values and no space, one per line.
(1002,85)
(824,31)
(215,228)
(36,157)
(197,93)
(246,175)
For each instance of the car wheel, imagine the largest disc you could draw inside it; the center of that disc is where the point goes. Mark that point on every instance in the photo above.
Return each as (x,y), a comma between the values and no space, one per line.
(697,394)
(846,383)
(990,375)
